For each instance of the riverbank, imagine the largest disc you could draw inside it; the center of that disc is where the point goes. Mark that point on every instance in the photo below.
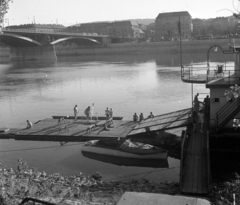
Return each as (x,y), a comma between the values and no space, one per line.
(144,47)
(170,47)
(81,189)
(29,182)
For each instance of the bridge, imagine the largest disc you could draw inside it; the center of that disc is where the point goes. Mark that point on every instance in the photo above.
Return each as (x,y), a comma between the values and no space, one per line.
(33,45)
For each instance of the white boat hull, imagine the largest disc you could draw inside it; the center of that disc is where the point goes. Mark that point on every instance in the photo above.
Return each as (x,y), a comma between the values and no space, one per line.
(118,153)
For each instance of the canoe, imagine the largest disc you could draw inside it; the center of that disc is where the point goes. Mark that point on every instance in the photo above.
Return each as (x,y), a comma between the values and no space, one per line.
(126,153)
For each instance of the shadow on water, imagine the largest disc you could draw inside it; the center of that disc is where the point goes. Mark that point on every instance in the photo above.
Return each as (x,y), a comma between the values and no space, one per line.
(224,165)
(224,158)
(161,59)
(168,59)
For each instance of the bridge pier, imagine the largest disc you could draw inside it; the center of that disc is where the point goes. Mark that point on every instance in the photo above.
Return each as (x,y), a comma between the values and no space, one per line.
(45,52)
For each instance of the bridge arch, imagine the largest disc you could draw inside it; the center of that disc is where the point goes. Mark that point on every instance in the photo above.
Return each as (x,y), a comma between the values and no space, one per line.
(17,40)
(77,40)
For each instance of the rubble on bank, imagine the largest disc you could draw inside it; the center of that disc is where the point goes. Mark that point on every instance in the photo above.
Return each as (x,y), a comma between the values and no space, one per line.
(77,189)
(222,193)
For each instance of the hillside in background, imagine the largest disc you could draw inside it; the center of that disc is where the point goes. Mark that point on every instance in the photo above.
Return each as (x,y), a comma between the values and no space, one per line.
(144,21)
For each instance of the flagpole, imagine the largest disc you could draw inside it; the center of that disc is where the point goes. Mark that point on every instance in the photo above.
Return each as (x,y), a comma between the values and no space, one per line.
(180,37)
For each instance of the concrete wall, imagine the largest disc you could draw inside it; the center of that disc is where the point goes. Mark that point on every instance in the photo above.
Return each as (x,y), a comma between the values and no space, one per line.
(33,53)
(4,51)
(124,48)
(216,106)
(146,47)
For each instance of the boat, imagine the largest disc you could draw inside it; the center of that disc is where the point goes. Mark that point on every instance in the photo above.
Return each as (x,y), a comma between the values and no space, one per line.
(125,153)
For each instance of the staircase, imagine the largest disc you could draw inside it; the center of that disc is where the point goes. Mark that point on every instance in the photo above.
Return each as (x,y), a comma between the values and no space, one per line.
(227,112)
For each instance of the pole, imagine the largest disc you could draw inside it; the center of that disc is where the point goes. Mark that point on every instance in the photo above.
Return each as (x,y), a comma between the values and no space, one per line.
(180,37)
(192,96)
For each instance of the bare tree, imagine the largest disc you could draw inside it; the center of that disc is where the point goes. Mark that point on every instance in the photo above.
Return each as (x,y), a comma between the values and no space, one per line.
(4,6)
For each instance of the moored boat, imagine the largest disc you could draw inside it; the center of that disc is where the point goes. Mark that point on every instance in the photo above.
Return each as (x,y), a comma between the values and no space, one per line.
(125,153)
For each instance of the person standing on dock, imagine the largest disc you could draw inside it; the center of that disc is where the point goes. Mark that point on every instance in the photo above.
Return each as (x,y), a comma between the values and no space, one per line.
(135,117)
(196,103)
(87,112)
(107,114)
(110,113)
(194,120)
(29,124)
(201,119)
(92,109)
(141,117)
(207,105)
(75,111)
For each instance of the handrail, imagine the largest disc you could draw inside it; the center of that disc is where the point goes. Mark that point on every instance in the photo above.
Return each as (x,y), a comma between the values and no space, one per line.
(227,110)
(207,73)
(182,158)
(208,164)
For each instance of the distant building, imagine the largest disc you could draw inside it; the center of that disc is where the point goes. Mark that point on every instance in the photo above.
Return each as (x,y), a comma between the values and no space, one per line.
(167,25)
(143,27)
(199,27)
(39,28)
(125,28)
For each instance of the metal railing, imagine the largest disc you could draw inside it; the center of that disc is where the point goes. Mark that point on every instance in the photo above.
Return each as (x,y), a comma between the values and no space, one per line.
(230,76)
(208,164)
(196,73)
(183,150)
(50,32)
(209,74)
(227,111)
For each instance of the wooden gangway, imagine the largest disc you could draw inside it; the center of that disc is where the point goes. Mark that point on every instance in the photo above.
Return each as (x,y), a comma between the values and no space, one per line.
(166,121)
(195,177)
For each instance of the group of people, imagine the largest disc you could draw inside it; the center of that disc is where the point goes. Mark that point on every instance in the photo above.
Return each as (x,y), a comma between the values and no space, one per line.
(141,117)
(198,112)
(109,113)
(88,112)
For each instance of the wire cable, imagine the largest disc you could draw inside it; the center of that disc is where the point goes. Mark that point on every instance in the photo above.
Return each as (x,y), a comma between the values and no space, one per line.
(36,148)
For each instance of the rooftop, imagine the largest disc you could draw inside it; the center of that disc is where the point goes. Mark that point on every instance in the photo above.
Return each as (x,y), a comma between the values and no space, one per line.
(173,14)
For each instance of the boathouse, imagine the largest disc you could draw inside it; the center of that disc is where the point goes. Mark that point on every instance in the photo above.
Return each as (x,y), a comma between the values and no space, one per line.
(222,80)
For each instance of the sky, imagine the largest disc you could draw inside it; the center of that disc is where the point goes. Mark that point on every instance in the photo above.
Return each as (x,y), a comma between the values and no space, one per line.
(69,12)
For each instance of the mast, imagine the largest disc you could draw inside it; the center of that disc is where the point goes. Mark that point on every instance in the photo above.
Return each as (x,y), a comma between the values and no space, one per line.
(180,37)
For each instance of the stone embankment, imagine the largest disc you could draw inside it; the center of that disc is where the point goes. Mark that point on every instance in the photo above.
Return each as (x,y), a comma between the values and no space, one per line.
(4,51)
(136,48)
(145,47)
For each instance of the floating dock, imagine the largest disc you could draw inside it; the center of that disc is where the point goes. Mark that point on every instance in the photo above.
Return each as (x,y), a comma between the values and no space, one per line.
(70,130)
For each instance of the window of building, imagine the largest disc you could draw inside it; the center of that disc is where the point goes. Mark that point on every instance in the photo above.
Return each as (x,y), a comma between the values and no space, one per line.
(216,99)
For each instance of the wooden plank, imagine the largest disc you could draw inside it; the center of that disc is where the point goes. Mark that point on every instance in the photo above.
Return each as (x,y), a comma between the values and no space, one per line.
(196,179)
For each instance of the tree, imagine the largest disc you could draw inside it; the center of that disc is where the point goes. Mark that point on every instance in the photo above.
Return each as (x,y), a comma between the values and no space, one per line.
(4,6)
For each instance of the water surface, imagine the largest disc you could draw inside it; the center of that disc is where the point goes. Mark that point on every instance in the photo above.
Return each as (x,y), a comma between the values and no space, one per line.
(126,83)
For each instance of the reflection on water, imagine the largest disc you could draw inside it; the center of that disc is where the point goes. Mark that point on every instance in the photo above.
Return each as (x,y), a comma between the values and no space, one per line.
(126,83)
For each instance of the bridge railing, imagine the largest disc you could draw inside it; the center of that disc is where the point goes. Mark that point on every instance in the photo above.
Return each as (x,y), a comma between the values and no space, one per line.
(48,32)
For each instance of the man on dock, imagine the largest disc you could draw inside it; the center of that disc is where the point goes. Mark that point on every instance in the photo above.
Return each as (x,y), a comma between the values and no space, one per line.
(207,105)
(92,110)
(75,110)
(87,112)
(196,103)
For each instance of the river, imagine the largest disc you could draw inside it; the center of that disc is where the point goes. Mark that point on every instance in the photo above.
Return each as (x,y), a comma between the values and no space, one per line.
(126,83)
